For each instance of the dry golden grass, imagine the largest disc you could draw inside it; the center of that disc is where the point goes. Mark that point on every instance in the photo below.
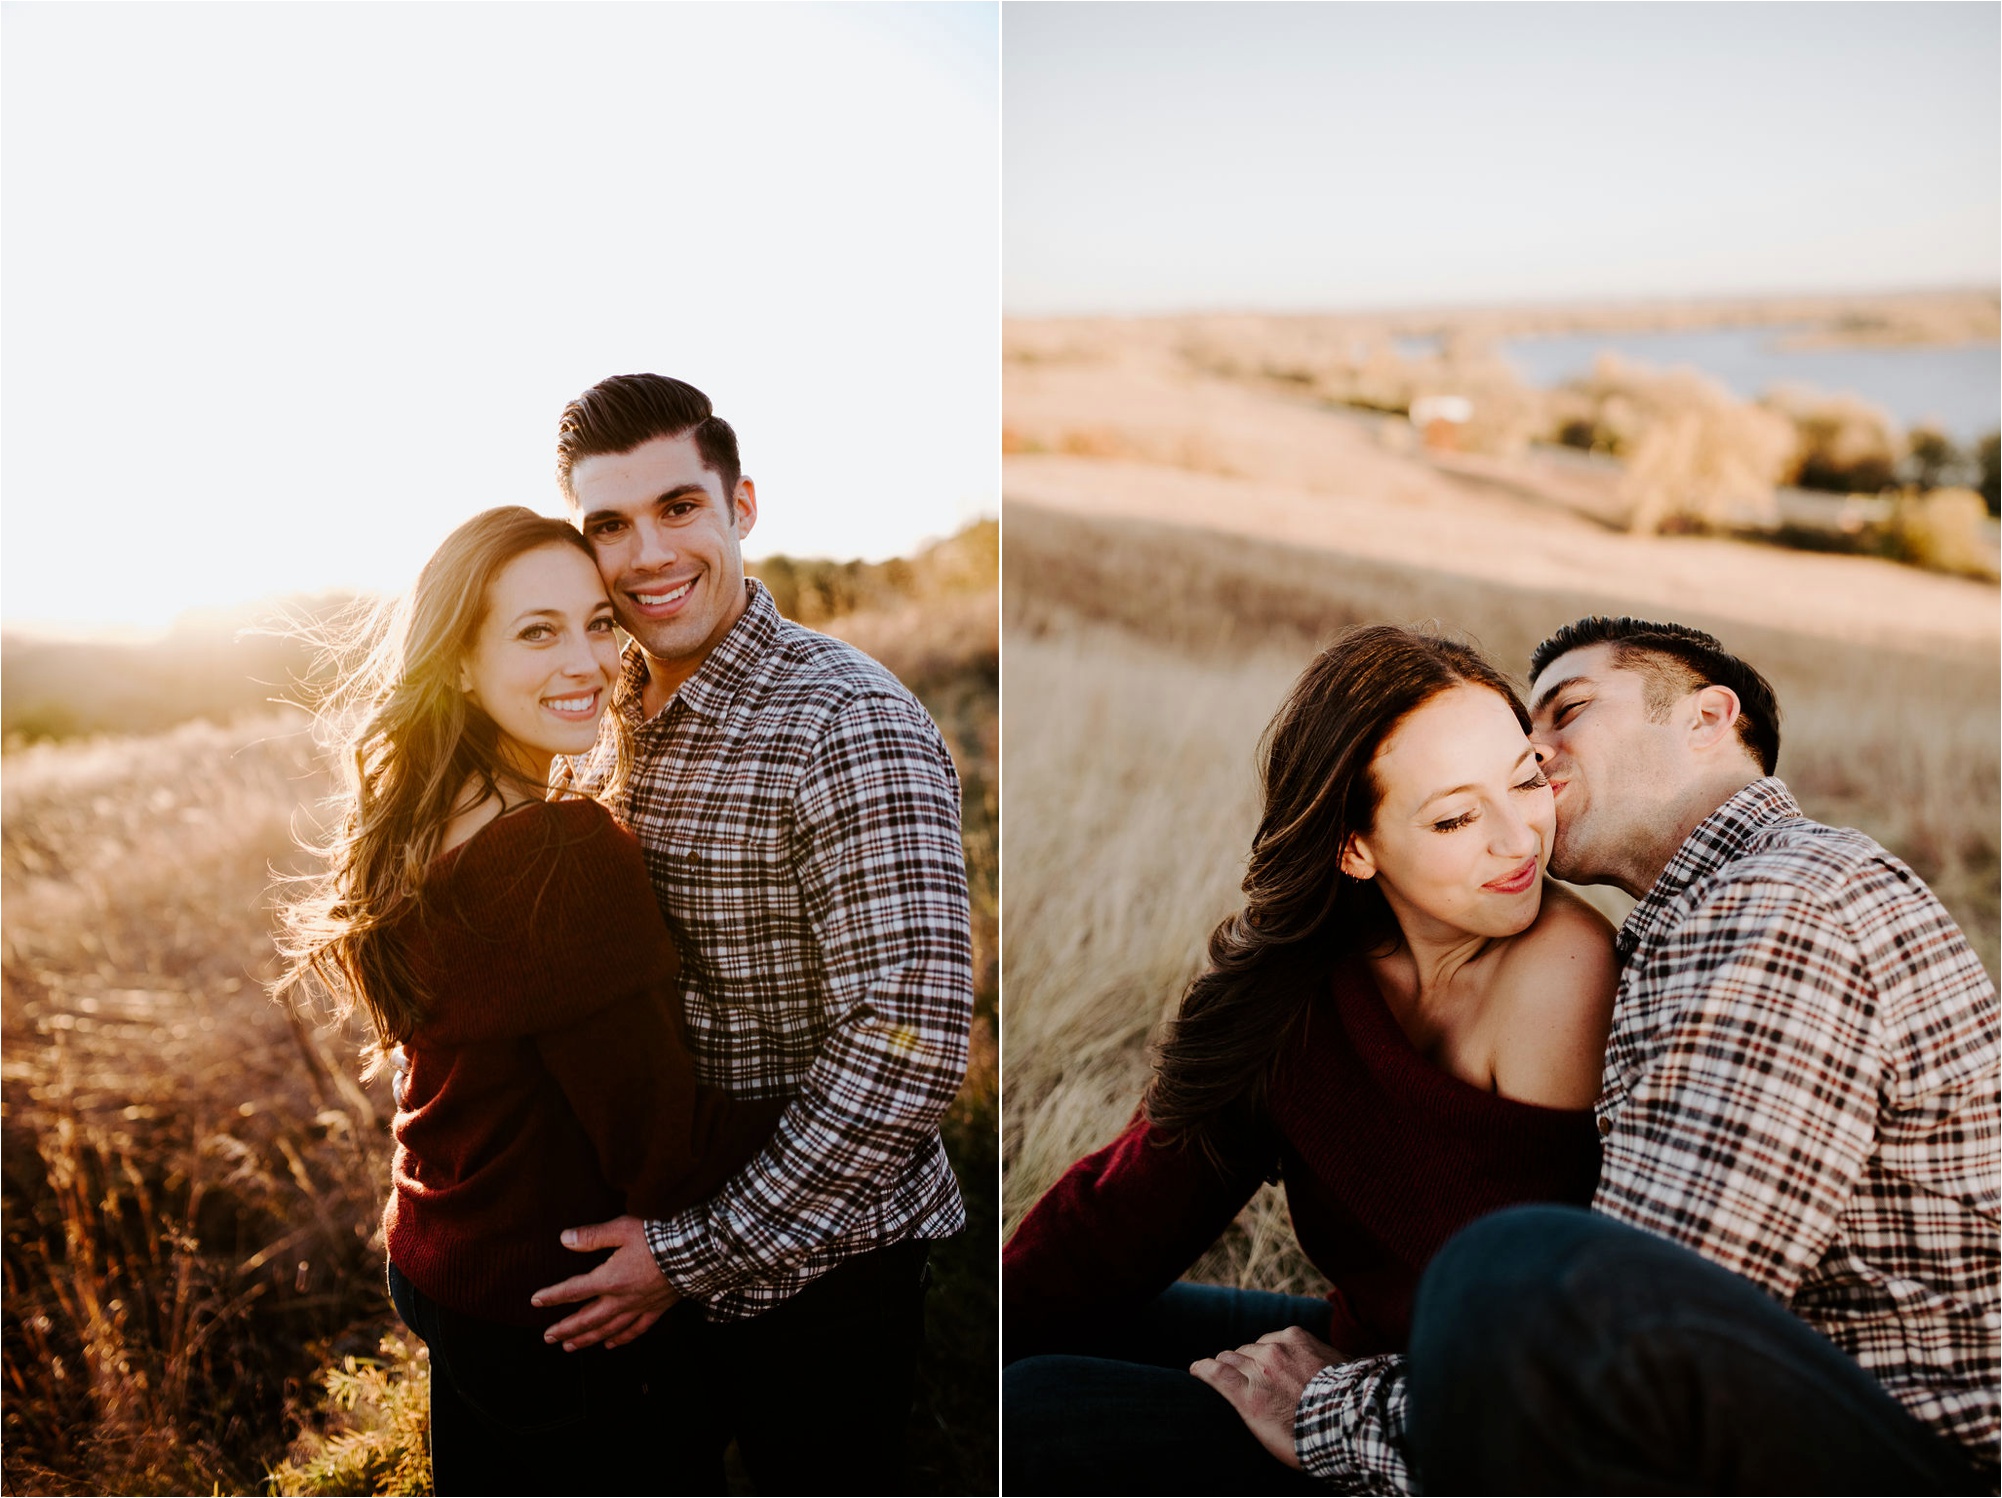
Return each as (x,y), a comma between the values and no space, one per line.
(193,1181)
(1143,663)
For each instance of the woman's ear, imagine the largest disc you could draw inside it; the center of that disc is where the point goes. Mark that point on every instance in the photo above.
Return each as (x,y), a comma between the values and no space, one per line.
(1356,861)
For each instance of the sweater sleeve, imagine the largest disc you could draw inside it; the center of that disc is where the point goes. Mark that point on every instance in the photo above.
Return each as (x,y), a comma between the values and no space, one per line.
(661,1139)
(1116,1230)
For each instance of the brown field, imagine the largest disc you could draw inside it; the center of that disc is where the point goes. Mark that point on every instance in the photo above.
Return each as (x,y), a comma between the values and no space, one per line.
(1144,659)
(193,1181)
(1324,410)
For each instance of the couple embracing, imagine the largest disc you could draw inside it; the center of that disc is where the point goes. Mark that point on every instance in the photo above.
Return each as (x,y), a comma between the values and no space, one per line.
(671,949)
(1705,1205)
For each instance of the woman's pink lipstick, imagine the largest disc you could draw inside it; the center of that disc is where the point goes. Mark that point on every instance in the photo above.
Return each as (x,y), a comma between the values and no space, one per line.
(1515,883)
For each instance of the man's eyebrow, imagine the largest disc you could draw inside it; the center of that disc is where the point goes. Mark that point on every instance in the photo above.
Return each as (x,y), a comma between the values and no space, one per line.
(1544,701)
(1457,789)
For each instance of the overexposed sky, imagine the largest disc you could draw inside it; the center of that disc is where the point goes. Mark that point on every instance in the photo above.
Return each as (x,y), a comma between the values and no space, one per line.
(1167,157)
(291,290)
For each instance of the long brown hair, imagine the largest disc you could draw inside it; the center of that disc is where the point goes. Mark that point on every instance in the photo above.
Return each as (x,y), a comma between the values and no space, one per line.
(1301,912)
(408,743)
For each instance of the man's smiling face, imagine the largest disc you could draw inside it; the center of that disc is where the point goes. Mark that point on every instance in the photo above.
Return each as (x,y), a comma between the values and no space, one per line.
(669,545)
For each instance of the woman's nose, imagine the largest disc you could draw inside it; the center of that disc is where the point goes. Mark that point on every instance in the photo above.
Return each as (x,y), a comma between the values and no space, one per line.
(1514,836)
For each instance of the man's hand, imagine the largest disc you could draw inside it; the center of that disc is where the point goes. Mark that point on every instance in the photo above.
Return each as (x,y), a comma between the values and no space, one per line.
(627,1293)
(1263,1382)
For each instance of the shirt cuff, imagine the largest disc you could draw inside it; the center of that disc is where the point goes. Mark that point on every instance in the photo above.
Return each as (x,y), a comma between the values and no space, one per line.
(685,1251)
(1348,1428)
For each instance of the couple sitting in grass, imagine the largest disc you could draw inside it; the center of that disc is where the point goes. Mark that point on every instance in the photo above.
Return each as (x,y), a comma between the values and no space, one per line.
(1705,1205)
(689,980)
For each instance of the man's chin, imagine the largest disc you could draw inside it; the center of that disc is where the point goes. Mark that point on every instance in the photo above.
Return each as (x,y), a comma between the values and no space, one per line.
(664,640)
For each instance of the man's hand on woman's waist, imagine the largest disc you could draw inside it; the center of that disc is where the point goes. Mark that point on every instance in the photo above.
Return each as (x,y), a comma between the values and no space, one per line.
(626,1294)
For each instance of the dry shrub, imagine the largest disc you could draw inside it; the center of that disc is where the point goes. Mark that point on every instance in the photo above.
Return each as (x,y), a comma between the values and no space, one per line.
(1696,457)
(1945,531)
(814,590)
(370,1432)
(1841,442)
(1131,788)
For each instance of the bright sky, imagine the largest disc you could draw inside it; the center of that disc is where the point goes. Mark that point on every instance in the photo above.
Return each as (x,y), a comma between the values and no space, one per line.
(1170,157)
(293,289)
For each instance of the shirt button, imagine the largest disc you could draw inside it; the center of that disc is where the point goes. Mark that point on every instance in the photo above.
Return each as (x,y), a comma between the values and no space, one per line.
(1605,1126)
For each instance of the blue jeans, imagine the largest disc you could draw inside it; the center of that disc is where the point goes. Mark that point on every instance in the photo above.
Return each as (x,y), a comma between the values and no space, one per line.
(1119,1412)
(1557,1351)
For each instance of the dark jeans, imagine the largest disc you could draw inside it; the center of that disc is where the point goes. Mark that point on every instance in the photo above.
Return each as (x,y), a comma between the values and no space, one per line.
(1119,1412)
(818,1390)
(511,1414)
(817,1393)
(1557,1351)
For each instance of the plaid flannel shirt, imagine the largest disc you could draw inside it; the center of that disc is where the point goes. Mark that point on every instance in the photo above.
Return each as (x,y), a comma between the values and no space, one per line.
(799,814)
(1801,1086)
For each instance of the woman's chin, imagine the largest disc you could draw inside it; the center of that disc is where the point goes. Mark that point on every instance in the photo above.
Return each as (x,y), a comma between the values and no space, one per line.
(578,739)
(1512,915)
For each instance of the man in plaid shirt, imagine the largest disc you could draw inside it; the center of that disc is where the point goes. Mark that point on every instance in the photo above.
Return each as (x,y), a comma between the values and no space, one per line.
(1788,1281)
(799,814)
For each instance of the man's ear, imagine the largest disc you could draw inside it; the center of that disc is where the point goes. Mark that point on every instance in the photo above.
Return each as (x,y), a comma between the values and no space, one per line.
(1357,861)
(1714,714)
(745,504)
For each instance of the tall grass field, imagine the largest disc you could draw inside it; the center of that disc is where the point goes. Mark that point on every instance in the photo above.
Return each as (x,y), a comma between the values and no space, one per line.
(193,1178)
(1143,662)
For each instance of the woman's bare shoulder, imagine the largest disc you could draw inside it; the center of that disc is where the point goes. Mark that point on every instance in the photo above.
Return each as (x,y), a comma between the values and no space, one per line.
(1556,994)
(1566,956)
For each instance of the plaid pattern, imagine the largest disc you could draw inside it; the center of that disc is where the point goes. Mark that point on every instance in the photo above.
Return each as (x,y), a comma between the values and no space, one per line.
(1801,1086)
(799,813)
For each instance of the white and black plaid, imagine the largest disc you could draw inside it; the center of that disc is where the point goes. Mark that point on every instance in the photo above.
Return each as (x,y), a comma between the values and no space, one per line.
(1801,1085)
(800,818)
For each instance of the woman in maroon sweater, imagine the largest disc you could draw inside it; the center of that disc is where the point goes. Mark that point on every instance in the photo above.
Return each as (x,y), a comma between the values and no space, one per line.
(513,947)
(1404,1025)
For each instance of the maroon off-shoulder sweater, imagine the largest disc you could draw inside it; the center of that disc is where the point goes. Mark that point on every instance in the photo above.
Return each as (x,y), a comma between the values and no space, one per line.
(1384,1157)
(549,1086)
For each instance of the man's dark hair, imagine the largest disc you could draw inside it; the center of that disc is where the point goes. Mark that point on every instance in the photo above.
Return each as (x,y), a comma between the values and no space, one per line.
(1676,660)
(617,415)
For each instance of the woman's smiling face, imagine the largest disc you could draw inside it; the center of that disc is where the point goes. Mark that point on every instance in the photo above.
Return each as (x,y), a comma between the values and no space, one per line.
(545,658)
(1465,821)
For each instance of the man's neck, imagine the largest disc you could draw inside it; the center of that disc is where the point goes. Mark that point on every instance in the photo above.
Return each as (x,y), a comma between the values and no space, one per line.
(664,678)
(1694,809)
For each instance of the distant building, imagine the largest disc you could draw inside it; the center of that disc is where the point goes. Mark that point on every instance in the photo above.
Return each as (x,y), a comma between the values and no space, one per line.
(1439,419)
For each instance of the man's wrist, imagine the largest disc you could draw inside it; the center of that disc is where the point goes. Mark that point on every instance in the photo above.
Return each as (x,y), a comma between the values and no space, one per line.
(683,1253)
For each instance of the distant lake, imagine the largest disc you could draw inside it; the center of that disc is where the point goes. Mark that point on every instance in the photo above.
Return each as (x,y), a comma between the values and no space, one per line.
(1958,386)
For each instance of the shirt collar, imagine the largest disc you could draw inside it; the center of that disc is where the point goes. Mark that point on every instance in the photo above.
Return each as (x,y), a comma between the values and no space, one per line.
(727,671)
(1718,839)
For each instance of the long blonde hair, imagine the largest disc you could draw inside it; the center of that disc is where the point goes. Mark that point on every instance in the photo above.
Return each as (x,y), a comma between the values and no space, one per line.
(407,744)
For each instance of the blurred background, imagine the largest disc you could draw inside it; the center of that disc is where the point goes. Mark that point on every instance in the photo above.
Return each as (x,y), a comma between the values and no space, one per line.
(290,292)
(1487,317)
